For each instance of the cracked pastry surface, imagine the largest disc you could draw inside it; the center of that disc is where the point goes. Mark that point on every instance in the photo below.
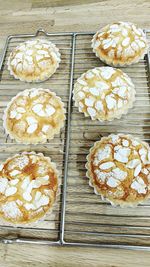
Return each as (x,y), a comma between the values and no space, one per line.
(34,60)
(118,167)
(120,43)
(104,93)
(34,115)
(28,187)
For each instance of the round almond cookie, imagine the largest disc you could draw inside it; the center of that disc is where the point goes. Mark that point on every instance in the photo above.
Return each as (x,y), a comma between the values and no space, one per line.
(118,167)
(34,60)
(28,187)
(33,116)
(104,93)
(120,43)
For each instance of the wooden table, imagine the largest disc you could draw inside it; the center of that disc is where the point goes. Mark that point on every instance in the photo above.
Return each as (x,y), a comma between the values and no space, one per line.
(74,15)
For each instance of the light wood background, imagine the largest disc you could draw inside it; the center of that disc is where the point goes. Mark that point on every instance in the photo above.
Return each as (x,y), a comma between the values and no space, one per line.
(55,15)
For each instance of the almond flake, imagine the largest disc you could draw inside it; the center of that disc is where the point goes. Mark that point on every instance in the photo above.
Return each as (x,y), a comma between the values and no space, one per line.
(20,110)
(32,128)
(81,95)
(112,182)
(94,91)
(89,75)
(82,82)
(137,170)
(107,165)
(91,111)
(15,172)
(104,153)
(50,110)
(125,142)
(1,167)
(133,163)
(99,105)
(89,102)
(3,184)
(31,120)
(10,191)
(111,102)
(126,41)
(101,85)
(45,128)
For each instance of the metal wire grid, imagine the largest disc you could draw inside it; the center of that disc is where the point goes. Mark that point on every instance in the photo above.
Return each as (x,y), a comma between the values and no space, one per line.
(85,219)
(89,220)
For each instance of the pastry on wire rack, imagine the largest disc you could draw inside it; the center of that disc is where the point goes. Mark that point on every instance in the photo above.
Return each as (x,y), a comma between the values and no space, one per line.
(28,187)
(33,116)
(104,93)
(120,43)
(34,60)
(118,168)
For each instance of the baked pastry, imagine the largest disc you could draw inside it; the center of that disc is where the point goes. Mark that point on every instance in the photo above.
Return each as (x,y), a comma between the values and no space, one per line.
(34,115)
(118,167)
(34,60)
(120,43)
(104,93)
(28,187)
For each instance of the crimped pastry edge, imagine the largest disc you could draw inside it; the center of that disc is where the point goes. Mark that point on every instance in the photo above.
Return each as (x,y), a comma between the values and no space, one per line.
(28,142)
(50,210)
(91,183)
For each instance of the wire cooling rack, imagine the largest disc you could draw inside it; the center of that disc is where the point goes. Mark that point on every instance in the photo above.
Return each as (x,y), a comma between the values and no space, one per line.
(80,217)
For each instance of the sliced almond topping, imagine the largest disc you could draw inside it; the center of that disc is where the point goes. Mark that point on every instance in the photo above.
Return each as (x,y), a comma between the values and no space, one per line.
(82,82)
(15,172)
(125,142)
(112,182)
(50,110)
(31,120)
(94,91)
(137,170)
(107,165)
(81,95)
(14,181)
(1,167)
(13,114)
(3,184)
(91,111)
(27,196)
(10,191)
(20,110)
(126,41)
(32,128)
(89,102)
(99,106)
(111,102)
(133,163)
(45,128)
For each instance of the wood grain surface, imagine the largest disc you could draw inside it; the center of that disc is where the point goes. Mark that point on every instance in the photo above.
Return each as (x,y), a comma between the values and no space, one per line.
(55,15)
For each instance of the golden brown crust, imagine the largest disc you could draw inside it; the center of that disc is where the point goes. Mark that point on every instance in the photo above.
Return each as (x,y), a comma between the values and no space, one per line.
(28,187)
(34,115)
(118,168)
(120,43)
